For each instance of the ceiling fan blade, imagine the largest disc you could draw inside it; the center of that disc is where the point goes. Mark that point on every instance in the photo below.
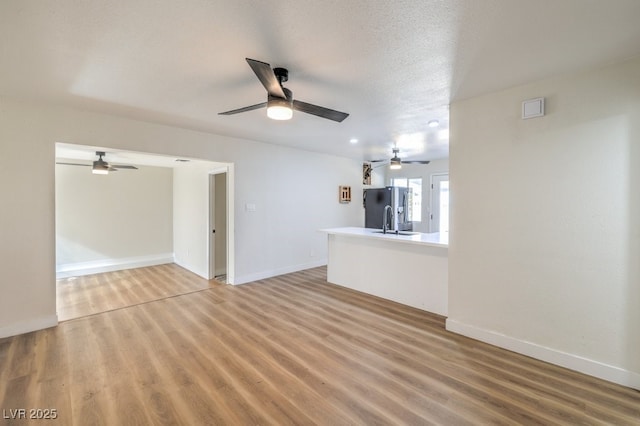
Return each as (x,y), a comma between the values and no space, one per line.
(245,109)
(73,164)
(124,166)
(415,162)
(267,77)
(323,112)
(377,161)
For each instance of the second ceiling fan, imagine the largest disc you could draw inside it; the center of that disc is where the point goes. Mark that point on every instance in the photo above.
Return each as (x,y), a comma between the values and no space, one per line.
(280,103)
(100,166)
(396,162)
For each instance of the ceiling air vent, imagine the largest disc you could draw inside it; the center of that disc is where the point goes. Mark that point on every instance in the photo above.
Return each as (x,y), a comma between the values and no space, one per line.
(532,108)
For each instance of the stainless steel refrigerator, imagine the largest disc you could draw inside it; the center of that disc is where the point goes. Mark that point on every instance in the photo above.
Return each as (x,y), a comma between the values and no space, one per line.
(375,201)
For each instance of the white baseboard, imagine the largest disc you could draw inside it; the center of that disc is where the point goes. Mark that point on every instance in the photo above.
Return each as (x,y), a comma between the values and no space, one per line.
(109,265)
(244,279)
(573,362)
(29,326)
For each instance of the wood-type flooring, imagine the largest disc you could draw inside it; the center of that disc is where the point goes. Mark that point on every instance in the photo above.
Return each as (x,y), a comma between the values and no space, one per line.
(292,349)
(91,294)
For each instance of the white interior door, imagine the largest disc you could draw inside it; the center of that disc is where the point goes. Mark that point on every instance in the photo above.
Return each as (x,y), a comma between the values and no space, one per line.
(439,215)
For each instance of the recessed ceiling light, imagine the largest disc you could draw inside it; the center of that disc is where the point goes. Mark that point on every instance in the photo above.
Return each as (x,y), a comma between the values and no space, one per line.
(353,140)
(433,123)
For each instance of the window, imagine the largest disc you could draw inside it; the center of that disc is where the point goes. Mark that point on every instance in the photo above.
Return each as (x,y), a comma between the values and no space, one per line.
(415,196)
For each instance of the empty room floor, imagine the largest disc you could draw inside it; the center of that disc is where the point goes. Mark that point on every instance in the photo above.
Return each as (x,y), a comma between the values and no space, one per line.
(92,294)
(292,349)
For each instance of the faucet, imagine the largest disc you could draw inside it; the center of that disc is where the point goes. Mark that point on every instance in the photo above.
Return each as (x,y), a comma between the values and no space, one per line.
(385,218)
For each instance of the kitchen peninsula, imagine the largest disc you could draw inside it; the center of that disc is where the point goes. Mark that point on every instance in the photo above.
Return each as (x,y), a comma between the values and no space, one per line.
(410,267)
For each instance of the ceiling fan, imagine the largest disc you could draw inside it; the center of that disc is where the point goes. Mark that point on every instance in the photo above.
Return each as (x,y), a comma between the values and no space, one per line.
(396,163)
(101,167)
(280,103)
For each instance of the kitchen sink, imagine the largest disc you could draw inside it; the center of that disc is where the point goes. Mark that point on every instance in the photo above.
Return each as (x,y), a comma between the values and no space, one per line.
(397,233)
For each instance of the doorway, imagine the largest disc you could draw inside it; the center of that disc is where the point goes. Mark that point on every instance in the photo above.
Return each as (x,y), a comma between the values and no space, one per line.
(143,210)
(218,224)
(439,216)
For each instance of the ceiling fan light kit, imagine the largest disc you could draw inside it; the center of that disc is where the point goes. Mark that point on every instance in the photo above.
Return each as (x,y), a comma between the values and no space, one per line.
(395,163)
(99,169)
(279,108)
(276,111)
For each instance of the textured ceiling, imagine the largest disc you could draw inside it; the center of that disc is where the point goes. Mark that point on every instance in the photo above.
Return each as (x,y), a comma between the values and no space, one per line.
(392,65)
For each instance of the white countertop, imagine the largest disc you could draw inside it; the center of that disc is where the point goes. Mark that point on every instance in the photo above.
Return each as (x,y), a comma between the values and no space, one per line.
(435,239)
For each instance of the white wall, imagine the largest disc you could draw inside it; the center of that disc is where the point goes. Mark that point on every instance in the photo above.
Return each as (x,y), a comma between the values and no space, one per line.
(115,219)
(423,171)
(191,219)
(295,193)
(27,223)
(544,251)
(378,176)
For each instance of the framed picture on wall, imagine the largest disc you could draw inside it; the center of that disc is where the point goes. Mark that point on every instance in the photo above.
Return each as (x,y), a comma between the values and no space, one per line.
(366,173)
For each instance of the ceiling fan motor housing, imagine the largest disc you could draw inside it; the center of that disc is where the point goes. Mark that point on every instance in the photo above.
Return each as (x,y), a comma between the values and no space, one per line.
(100,164)
(282,74)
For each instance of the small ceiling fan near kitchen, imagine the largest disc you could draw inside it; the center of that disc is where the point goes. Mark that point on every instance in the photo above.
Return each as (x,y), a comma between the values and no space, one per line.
(101,167)
(280,103)
(396,162)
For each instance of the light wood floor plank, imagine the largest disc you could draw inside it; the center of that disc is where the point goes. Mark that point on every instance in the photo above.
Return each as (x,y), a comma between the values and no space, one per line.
(160,345)
(91,294)
(356,344)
